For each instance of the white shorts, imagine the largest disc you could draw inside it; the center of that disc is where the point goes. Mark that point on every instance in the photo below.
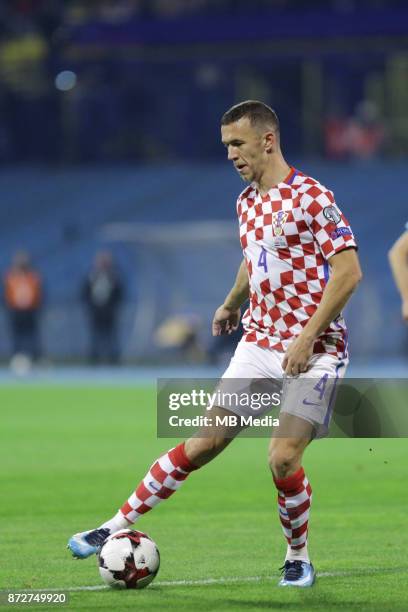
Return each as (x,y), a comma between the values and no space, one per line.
(310,395)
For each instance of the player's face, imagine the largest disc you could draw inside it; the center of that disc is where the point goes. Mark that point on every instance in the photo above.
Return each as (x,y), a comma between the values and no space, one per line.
(246,148)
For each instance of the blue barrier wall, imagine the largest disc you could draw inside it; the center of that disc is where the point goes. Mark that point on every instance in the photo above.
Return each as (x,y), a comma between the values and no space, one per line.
(58,215)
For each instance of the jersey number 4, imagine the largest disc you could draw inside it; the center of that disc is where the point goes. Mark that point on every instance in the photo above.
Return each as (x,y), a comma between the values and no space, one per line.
(262,263)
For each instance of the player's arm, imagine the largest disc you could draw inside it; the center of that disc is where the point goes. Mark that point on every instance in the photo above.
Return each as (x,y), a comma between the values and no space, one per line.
(227,316)
(345,276)
(398,258)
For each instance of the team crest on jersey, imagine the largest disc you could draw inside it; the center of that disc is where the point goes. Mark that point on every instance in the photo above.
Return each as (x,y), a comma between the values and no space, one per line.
(278,221)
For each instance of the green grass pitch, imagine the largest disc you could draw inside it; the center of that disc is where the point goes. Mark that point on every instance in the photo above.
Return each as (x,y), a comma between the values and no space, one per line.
(71,455)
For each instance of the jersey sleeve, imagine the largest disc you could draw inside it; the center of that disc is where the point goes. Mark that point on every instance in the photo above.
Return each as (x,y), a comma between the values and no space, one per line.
(328,225)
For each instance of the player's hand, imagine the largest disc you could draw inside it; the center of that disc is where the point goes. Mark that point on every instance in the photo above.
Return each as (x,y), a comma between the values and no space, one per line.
(225,321)
(404,310)
(297,356)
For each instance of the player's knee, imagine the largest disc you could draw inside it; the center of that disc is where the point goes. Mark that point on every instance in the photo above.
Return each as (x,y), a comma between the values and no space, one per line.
(283,458)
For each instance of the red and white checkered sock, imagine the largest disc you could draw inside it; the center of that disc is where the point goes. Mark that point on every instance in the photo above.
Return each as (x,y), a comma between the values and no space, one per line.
(164,478)
(294,500)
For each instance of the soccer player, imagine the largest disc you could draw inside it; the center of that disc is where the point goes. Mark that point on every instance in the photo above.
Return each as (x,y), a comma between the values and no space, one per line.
(299,269)
(398,257)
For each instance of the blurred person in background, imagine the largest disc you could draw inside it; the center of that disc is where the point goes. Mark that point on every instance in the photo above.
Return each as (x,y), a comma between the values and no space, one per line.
(361,136)
(398,258)
(102,293)
(179,336)
(29,104)
(23,298)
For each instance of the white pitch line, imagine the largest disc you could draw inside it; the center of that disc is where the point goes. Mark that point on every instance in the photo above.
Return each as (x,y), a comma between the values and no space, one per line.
(226,580)
(206,581)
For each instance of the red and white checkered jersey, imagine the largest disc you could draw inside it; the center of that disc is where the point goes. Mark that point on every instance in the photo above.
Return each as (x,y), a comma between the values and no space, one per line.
(287,236)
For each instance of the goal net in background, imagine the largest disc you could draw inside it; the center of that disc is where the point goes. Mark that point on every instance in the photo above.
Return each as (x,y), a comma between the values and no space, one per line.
(182,272)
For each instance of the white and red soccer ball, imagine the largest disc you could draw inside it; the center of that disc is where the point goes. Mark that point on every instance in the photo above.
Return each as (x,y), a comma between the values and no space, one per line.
(129,559)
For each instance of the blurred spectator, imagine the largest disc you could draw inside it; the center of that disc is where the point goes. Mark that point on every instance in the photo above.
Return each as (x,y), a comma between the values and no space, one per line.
(23,298)
(102,293)
(361,136)
(178,336)
(29,107)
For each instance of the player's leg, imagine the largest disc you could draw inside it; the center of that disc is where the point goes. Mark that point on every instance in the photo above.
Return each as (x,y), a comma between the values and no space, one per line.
(306,410)
(294,496)
(168,473)
(163,479)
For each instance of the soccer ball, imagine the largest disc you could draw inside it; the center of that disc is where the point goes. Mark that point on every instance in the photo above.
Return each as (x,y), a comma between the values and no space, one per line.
(129,559)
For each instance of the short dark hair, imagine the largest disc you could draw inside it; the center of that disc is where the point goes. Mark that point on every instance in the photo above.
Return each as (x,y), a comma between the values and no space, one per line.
(258,113)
